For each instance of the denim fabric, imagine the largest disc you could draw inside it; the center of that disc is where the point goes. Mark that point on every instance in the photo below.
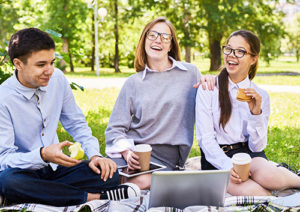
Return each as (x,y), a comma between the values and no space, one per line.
(62,187)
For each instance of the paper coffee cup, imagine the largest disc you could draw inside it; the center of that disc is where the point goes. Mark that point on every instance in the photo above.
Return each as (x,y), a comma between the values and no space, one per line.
(241,165)
(144,153)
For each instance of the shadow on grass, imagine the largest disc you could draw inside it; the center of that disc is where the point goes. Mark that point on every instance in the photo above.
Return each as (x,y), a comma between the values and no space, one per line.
(281,73)
(102,74)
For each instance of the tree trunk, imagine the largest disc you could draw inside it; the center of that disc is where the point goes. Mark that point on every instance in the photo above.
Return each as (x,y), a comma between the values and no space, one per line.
(215,53)
(187,54)
(116,59)
(65,49)
(93,44)
(71,62)
(297,54)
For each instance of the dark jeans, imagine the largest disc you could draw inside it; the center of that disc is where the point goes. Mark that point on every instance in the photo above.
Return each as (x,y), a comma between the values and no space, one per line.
(65,186)
(205,165)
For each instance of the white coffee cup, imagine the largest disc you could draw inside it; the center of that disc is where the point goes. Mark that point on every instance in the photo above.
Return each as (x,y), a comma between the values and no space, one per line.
(241,165)
(144,153)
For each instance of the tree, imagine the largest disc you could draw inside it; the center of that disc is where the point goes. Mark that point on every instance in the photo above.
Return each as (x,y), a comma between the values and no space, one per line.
(182,14)
(294,36)
(116,32)
(68,18)
(8,18)
(224,16)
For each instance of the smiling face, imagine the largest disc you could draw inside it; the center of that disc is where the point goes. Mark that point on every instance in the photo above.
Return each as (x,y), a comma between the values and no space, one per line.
(238,68)
(157,50)
(37,70)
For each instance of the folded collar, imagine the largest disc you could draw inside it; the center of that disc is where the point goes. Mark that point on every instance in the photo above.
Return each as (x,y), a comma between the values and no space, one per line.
(175,63)
(25,91)
(246,83)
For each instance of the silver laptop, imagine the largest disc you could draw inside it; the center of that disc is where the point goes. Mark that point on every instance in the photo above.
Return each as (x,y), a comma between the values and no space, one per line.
(181,189)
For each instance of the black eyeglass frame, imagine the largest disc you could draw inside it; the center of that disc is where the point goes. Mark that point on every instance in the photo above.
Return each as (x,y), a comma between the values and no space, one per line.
(161,34)
(233,50)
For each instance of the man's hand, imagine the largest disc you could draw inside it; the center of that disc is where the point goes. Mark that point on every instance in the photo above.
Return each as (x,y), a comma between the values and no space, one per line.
(54,154)
(131,159)
(210,81)
(105,166)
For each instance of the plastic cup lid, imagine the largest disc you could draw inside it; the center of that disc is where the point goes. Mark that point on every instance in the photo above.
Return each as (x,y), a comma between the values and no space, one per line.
(142,148)
(241,158)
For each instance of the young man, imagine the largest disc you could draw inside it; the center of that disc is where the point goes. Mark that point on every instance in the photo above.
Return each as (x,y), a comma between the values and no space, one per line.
(32,102)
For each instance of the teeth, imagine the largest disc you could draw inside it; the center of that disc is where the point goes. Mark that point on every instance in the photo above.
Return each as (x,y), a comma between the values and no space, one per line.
(156,47)
(232,63)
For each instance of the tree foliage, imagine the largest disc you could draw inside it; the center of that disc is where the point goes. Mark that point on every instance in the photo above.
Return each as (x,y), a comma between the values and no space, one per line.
(201,26)
(68,18)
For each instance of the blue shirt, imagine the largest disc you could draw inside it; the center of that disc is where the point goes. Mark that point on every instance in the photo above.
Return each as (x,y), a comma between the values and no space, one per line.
(29,122)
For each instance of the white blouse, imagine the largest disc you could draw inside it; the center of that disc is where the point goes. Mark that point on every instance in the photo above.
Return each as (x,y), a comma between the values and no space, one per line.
(241,127)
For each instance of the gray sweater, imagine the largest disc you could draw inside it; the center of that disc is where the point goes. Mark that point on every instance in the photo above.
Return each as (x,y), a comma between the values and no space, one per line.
(155,108)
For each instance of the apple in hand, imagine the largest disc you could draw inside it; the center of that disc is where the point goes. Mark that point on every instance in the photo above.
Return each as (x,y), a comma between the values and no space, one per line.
(76,151)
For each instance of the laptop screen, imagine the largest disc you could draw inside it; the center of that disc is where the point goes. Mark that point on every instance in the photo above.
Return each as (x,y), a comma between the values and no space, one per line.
(181,189)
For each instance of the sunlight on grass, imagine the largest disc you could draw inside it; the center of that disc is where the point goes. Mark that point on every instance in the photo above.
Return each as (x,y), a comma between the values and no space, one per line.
(283,65)
(283,134)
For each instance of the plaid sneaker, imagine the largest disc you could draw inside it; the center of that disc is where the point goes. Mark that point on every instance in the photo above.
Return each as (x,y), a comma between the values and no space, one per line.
(291,168)
(123,191)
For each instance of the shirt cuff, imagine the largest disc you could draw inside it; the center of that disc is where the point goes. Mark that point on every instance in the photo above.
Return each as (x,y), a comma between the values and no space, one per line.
(114,150)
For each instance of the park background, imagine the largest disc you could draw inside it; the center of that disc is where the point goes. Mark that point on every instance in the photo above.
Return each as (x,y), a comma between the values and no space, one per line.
(202,27)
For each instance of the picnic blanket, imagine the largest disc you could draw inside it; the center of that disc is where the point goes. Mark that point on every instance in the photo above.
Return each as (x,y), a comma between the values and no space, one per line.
(140,204)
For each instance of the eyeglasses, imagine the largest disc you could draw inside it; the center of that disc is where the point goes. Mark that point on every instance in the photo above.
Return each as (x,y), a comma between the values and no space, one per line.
(152,35)
(237,52)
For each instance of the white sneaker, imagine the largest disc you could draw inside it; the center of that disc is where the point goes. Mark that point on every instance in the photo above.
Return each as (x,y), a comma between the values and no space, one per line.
(123,191)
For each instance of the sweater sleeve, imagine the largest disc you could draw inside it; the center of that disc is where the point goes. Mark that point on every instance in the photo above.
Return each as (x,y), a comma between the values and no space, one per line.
(119,122)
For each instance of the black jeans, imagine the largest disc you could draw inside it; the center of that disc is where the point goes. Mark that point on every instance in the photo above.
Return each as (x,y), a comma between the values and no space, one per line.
(205,165)
(62,187)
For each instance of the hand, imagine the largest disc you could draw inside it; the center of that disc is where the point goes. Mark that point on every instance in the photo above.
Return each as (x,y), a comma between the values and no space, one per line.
(255,103)
(105,166)
(210,81)
(54,154)
(131,159)
(234,177)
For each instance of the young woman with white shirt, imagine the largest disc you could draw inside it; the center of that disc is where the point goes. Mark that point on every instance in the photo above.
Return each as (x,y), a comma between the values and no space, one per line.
(156,105)
(225,125)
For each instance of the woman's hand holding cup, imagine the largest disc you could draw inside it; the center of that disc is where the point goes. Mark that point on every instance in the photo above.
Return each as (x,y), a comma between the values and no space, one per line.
(131,159)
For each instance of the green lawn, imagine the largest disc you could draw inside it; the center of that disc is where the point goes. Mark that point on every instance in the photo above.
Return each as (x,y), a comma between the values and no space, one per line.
(284,126)
(283,65)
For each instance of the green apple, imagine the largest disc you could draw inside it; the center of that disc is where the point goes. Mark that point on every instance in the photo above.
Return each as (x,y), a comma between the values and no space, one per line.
(76,151)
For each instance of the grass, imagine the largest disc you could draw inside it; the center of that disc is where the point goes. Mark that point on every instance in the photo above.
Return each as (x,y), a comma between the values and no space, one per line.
(284,125)
(281,66)
(283,134)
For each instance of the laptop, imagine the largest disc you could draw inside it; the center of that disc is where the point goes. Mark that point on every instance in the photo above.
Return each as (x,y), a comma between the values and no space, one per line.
(181,189)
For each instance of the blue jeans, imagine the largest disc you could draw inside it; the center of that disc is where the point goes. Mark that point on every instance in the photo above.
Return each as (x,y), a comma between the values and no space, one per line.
(65,186)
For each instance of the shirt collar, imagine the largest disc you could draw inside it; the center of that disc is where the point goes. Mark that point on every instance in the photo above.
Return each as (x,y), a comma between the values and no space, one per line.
(25,91)
(246,83)
(175,64)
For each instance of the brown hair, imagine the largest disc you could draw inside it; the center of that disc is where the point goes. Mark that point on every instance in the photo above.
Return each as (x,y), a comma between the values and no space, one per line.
(224,98)
(140,60)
